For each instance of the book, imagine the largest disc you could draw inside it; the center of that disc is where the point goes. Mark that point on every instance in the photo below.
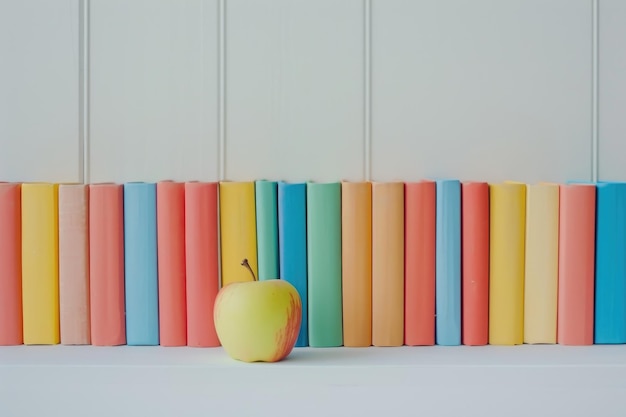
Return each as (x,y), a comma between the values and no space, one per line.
(292,246)
(170,203)
(475,263)
(448,263)
(420,219)
(106,264)
(10,264)
(74,310)
(610,264)
(237,231)
(141,266)
(577,228)
(542,263)
(40,264)
(507,210)
(356,262)
(324,264)
(266,204)
(387,263)
(202,262)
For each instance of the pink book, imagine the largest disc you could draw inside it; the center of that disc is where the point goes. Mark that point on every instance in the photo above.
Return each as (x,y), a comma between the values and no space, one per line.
(74,264)
(202,255)
(10,264)
(171,263)
(106,264)
(575,305)
(419,263)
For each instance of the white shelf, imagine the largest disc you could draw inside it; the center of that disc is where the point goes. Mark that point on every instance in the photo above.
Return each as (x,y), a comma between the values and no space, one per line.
(461,381)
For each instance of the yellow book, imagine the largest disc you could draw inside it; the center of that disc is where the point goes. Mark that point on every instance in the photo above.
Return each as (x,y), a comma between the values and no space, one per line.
(542,263)
(40,265)
(506,276)
(237,231)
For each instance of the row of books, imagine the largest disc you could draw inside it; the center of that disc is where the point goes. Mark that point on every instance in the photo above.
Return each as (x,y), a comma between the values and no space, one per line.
(433,262)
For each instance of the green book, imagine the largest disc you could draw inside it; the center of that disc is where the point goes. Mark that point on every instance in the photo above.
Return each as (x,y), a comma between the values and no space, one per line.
(267,229)
(324,264)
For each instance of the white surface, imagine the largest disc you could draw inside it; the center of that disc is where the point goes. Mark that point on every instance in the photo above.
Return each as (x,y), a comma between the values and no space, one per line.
(612,134)
(482,90)
(470,381)
(39,91)
(153,90)
(294,90)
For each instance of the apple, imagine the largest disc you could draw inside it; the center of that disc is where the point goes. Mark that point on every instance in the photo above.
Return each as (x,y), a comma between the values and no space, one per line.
(258,321)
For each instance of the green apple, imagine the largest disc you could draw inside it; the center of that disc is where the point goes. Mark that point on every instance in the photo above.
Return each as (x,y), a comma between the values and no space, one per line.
(258,321)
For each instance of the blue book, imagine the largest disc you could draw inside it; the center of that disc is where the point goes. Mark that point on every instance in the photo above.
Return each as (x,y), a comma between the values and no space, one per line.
(140,264)
(292,245)
(448,263)
(610,289)
(267,229)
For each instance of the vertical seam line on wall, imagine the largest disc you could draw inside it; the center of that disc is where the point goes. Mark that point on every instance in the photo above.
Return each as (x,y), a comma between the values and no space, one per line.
(222,90)
(83,90)
(367,128)
(594,91)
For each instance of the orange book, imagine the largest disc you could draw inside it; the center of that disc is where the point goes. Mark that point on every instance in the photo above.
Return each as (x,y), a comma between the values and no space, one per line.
(171,263)
(356,242)
(201,260)
(106,264)
(420,210)
(575,305)
(388,264)
(74,264)
(10,265)
(475,261)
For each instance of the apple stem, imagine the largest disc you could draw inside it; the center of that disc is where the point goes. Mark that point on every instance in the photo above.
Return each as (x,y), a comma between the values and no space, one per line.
(247,265)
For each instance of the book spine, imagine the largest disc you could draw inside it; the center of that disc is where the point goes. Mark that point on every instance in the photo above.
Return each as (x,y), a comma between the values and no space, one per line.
(610,265)
(106,264)
(356,263)
(267,229)
(10,264)
(74,264)
(542,263)
(293,246)
(141,266)
(420,212)
(506,268)
(324,264)
(475,263)
(171,263)
(577,228)
(237,231)
(40,266)
(388,264)
(202,262)
(448,264)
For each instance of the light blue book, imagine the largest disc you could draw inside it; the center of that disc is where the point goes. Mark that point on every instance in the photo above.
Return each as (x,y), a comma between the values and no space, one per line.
(448,263)
(610,289)
(140,264)
(292,246)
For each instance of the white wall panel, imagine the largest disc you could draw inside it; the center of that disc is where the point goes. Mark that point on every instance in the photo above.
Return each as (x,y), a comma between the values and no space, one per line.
(486,90)
(153,90)
(612,90)
(39,97)
(294,89)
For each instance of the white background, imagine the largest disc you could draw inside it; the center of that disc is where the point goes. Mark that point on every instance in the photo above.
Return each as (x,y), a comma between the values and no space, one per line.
(310,90)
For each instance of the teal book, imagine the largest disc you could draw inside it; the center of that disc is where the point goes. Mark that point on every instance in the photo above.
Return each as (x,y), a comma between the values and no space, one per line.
(324,264)
(140,264)
(267,229)
(292,246)
(610,291)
